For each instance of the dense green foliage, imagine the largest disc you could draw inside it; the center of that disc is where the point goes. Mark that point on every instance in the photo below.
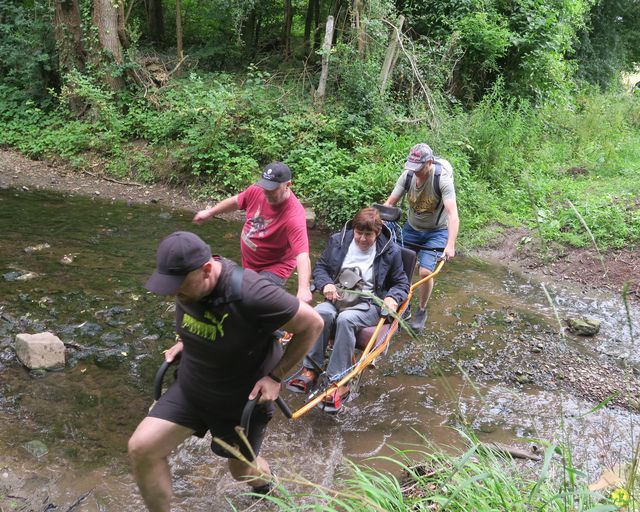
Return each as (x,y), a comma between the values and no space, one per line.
(514,164)
(491,86)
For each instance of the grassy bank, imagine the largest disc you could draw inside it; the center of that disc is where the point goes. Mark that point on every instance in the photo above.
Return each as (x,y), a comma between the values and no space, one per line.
(515,165)
(479,479)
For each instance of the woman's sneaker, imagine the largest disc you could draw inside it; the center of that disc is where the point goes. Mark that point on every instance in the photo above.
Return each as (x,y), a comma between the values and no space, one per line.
(304,382)
(334,401)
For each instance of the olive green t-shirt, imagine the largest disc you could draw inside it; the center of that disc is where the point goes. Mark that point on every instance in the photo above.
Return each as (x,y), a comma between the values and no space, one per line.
(424,206)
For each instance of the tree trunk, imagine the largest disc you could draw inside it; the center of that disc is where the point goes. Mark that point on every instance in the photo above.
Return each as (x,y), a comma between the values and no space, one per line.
(105,18)
(340,15)
(68,32)
(122,31)
(391,55)
(316,23)
(326,50)
(249,32)
(179,30)
(308,22)
(359,26)
(71,53)
(155,20)
(286,36)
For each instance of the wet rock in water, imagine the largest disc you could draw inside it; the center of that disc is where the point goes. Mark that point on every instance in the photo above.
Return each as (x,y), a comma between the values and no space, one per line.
(110,359)
(27,276)
(42,350)
(88,329)
(38,373)
(111,338)
(11,276)
(35,248)
(583,326)
(36,448)
(522,379)
(488,427)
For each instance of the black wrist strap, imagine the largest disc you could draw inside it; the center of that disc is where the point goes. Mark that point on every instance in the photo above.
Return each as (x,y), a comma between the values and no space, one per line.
(272,376)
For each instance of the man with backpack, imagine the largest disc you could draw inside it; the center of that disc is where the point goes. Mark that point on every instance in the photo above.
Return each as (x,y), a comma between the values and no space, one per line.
(432,217)
(225,318)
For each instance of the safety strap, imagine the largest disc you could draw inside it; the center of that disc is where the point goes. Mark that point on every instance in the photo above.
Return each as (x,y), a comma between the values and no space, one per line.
(235,293)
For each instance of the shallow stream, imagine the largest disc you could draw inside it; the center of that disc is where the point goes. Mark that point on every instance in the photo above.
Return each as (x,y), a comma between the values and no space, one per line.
(493,359)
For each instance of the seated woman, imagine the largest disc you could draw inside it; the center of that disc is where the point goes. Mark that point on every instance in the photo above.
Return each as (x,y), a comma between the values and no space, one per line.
(363,246)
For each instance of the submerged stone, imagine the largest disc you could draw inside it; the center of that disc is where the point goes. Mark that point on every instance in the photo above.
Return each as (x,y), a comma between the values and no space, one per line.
(11,276)
(583,326)
(89,329)
(110,359)
(36,448)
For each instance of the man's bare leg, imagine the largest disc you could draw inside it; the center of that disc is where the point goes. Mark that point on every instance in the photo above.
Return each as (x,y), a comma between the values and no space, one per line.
(149,446)
(420,315)
(426,288)
(248,473)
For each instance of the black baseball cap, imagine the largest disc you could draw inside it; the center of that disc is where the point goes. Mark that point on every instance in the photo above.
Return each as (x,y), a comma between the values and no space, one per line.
(177,255)
(273,174)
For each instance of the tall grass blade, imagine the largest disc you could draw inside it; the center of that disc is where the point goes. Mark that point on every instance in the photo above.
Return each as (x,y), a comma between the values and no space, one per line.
(593,240)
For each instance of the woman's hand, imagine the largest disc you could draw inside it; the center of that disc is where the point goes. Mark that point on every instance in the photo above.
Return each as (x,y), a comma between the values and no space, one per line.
(330,292)
(390,304)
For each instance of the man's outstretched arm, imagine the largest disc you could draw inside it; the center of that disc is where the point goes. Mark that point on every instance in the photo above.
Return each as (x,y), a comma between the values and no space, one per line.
(230,204)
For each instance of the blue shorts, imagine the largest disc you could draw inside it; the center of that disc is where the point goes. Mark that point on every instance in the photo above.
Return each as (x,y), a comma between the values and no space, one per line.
(431,239)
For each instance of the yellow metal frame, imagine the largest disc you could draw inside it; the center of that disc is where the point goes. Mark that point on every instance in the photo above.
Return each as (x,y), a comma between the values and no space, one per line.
(369,354)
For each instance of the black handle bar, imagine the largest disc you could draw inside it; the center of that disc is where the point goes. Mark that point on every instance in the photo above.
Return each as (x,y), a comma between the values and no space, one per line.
(247,411)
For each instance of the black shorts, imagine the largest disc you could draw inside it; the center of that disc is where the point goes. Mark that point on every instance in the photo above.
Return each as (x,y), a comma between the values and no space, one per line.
(221,421)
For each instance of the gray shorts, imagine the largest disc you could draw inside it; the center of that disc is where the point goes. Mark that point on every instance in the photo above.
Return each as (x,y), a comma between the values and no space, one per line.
(221,421)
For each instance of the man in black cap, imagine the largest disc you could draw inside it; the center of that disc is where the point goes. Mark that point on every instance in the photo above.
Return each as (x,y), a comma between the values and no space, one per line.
(274,237)
(225,317)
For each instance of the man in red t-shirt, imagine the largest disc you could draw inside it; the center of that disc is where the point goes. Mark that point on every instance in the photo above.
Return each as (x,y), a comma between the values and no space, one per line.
(274,237)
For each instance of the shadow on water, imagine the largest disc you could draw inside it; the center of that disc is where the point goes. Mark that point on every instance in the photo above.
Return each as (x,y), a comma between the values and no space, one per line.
(77,266)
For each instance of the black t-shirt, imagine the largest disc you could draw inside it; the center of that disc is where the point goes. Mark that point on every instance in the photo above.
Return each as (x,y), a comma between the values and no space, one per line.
(226,345)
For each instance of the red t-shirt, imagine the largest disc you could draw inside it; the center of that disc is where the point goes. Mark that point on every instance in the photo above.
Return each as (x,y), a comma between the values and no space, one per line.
(273,235)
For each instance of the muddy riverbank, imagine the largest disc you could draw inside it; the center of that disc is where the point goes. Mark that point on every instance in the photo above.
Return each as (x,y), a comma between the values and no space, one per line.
(582,266)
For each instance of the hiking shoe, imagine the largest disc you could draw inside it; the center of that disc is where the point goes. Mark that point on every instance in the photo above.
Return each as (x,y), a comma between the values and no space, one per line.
(333,402)
(419,319)
(263,490)
(304,382)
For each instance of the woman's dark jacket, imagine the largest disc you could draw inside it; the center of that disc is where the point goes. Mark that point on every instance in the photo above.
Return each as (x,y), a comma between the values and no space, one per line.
(389,278)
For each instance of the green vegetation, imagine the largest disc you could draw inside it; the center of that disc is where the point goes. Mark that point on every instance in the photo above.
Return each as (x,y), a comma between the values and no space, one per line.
(503,91)
(479,479)
(515,164)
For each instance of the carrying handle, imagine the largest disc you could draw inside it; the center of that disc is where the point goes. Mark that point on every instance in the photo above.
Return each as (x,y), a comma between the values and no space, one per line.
(246,412)
(245,419)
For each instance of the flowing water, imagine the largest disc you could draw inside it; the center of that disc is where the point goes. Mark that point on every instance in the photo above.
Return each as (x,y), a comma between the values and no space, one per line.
(76,267)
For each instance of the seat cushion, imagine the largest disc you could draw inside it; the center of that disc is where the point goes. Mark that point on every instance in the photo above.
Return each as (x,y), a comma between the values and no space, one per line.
(364,335)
